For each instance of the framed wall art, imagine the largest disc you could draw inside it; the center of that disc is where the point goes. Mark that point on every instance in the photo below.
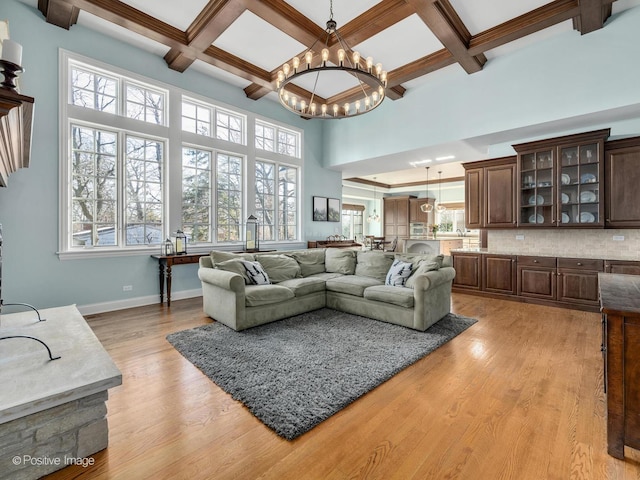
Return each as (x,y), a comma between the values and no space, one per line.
(319,209)
(333,210)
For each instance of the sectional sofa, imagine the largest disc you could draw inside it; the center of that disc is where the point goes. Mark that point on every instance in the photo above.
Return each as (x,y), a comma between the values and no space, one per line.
(415,293)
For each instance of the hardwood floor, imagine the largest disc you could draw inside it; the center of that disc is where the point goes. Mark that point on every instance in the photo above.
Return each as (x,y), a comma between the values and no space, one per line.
(519,395)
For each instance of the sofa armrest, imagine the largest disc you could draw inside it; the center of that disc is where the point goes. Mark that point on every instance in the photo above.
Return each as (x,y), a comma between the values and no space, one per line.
(432,279)
(223,279)
(205,262)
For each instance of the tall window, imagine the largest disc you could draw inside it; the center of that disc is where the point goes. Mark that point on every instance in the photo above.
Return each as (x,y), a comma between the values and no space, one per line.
(196,194)
(94,189)
(352,221)
(229,197)
(143,194)
(266,199)
(125,186)
(288,202)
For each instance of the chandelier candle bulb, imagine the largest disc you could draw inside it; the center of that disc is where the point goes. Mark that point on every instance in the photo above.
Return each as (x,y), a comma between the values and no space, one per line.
(341,56)
(371,81)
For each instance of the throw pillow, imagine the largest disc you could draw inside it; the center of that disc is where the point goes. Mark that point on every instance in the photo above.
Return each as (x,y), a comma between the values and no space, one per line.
(398,274)
(279,267)
(424,267)
(236,266)
(255,273)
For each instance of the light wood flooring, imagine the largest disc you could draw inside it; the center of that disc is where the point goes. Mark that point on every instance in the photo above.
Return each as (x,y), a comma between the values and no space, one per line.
(519,395)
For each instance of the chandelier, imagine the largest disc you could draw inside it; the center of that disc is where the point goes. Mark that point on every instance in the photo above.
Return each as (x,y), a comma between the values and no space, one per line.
(374,217)
(426,207)
(372,80)
(440,207)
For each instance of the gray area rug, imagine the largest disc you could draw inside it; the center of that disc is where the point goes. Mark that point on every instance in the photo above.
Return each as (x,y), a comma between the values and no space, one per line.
(295,373)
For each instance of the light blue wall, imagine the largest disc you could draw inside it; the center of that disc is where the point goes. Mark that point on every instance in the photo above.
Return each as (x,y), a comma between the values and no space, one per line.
(565,76)
(32,271)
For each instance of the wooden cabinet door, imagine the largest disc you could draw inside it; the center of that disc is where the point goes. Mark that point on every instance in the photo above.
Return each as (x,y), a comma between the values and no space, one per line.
(417,215)
(474,198)
(402,218)
(622,200)
(468,271)
(499,274)
(500,194)
(578,280)
(577,286)
(537,277)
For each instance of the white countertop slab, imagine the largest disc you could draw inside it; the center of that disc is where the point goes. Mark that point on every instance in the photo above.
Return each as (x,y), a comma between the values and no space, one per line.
(30,382)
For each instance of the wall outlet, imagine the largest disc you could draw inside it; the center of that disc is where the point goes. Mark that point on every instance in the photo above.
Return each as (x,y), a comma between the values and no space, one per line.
(519,237)
(618,238)
(127,288)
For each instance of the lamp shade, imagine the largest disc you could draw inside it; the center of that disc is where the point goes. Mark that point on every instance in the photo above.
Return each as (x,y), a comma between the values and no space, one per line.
(251,240)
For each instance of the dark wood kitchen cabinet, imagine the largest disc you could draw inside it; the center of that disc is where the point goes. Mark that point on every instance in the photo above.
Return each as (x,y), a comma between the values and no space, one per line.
(626,267)
(468,268)
(537,277)
(622,173)
(490,195)
(620,306)
(578,280)
(499,274)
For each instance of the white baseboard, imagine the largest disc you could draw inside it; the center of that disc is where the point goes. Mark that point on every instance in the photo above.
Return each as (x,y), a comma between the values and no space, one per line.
(94,308)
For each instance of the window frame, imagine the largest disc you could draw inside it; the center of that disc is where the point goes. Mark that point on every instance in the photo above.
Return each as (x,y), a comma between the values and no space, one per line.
(175,140)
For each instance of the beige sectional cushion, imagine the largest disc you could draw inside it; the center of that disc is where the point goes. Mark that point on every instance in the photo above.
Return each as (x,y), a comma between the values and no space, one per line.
(256,295)
(310,261)
(235,266)
(351,284)
(373,264)
(326,276)
(417,258)
(401,296)
(424,267)
(304,286)
(279,267)
(340,260)
(218,256)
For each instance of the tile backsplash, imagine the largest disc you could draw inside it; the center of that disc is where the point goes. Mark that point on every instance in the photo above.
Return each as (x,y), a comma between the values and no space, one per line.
(587,243)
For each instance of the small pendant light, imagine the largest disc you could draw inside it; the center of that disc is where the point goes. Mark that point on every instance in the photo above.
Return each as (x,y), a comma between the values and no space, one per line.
(426,207)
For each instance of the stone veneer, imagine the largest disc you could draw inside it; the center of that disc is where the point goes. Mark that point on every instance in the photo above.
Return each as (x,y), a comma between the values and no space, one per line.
(44,442)
(560,242)
(52,412)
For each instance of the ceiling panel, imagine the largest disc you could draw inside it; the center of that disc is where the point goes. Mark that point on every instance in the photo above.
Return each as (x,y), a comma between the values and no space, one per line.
(343,10)
(481,15)
(271,50)
(178,14)
(418,41)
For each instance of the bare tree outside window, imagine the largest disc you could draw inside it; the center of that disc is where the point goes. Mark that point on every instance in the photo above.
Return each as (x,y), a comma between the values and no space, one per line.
(288,202)
(196,194)
(266,199)
(229,197)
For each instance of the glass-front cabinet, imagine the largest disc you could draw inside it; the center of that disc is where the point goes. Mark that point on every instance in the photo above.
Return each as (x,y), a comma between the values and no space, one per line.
(560,181)
(537,188)
(579,185)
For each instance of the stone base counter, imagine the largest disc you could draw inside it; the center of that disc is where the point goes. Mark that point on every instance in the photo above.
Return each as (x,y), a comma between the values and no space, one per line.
(52,412)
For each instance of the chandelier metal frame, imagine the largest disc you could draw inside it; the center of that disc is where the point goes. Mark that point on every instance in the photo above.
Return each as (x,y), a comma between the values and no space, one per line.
(372,80)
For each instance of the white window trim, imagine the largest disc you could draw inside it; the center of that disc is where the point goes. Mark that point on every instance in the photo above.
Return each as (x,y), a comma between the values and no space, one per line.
(174,139)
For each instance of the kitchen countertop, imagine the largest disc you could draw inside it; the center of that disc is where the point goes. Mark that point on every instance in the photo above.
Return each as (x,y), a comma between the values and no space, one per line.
(494,251)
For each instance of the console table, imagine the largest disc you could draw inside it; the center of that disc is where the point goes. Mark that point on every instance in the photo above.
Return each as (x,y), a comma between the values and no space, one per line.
(166,262)
(620,305)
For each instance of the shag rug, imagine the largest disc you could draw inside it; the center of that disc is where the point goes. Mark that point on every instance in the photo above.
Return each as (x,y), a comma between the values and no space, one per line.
(295,373)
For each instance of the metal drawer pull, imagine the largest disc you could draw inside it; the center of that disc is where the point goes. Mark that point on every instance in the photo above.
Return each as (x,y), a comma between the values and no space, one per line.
(579,264)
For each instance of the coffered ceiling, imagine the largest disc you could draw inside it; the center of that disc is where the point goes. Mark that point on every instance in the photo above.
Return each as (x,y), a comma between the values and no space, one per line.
(245,42)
